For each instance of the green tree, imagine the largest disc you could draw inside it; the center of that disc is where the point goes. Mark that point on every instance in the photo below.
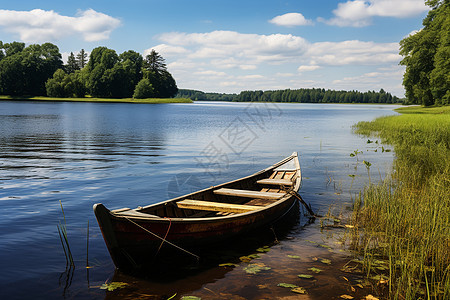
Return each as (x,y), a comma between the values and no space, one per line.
(426,79)
(143,89)
(72,64)
(82,59)
(155,62)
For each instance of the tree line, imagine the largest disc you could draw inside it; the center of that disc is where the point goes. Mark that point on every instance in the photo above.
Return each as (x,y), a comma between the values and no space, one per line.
(314,95)
(38,70)
(427,58)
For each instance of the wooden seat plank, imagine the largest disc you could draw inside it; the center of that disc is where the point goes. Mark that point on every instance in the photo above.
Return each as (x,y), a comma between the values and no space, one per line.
(248,193)
(216,206)
(275,182)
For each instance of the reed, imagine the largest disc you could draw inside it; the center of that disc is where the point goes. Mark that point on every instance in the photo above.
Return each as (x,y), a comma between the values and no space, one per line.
(62,231)
(404,221)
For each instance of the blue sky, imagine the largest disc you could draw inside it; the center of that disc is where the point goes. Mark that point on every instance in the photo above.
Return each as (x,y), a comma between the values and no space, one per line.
(230,46)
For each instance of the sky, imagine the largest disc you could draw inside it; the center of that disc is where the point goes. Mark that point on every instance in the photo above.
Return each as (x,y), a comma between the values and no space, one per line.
(230,46)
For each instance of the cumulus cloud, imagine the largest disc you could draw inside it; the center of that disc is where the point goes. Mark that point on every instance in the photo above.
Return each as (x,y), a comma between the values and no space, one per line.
(359,13)
(40,25)
(308,68)
(237,61)
(290,20)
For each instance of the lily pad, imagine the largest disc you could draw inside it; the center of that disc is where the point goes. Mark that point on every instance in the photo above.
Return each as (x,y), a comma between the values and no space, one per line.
(256,268)
(228,265)
(263,249)
(245,259)
(253,256)
(287,285)
(346,297)
(325,261)
(315,270)
(113,285)
(299,290)
(306,276)
(190,298)
(294,256)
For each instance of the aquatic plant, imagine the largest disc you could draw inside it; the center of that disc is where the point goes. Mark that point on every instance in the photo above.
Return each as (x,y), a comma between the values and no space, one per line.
(405,240)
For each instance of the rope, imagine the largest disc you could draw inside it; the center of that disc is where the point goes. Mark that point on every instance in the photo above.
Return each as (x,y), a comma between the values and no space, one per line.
(297,195)
(164,239)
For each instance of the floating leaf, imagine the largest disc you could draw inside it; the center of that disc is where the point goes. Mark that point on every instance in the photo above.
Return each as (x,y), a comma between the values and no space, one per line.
(190,298)
(113,285)
(325,261)
(346,297)
(227,265)
(305,276)
(245,259)
(325,246)
(287,285)
(253,256)
(299,290)
(380,278)
(294,256)
(315,270)
(370,297)
(314,259)
(263,249)
(360,285)
(255,268)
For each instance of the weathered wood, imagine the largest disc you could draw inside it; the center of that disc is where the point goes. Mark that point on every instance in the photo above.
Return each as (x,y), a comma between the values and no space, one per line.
(248,194)
(216,206)
(134,213)
(275,182)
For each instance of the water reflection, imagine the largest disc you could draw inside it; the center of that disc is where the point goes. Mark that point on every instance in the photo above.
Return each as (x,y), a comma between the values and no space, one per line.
(126,155)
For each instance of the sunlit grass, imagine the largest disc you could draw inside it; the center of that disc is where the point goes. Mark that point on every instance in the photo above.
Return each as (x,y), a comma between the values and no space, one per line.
(107,100)
(405,220)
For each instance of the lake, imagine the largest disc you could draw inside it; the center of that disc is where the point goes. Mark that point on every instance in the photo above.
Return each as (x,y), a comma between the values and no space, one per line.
(129,155)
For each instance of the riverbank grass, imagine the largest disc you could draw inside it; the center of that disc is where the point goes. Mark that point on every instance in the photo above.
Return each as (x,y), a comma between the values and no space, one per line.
(104,100)
(405,221)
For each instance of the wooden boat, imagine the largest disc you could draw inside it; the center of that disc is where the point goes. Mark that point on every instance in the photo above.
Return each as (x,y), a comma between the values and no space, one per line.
(202,218)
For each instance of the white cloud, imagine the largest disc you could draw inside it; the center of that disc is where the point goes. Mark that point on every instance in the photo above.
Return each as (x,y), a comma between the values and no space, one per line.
(359,13)
(40,25)
(308,68)
(225,61)
(290,20)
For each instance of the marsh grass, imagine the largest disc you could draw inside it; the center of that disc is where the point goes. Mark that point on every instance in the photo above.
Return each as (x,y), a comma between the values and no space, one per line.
(405,220)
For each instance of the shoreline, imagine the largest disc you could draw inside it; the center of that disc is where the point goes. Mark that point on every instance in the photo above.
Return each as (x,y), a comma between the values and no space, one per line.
(99,100)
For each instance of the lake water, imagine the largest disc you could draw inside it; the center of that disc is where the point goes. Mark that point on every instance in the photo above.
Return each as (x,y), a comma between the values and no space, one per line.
(129,155)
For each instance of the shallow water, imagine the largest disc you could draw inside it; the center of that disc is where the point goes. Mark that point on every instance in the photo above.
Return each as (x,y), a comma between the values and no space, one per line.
(126,155)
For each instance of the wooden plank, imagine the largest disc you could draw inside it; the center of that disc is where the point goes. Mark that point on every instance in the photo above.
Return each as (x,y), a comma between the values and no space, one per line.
(216,206)
(275,182)
(248,194)
(134,213)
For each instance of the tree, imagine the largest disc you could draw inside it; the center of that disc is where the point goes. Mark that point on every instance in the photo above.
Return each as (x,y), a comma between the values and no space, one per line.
(72,64)
(426,79)
(143,89)
(82,59)
(155,62)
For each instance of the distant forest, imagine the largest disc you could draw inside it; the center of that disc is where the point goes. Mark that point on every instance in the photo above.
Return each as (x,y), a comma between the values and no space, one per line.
(298,95)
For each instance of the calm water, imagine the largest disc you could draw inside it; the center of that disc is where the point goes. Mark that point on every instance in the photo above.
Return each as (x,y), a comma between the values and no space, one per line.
(126,155)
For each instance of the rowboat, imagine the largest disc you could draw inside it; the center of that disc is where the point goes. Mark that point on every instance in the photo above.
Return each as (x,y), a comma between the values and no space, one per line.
(201,218)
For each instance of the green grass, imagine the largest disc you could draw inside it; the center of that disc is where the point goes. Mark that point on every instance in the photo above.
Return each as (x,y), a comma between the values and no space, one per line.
(405,221)
(107,100)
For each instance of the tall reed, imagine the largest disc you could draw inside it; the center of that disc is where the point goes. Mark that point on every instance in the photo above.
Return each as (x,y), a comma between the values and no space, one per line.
(405,220)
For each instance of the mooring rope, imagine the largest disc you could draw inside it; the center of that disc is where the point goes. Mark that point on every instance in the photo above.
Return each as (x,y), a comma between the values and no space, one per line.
(164,239)
(297,195)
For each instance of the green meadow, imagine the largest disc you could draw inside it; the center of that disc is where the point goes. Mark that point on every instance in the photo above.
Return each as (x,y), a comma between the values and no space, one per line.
(404,222)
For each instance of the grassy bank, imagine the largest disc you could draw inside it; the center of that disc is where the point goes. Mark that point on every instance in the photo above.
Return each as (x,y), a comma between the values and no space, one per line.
(106,100)
(405,221)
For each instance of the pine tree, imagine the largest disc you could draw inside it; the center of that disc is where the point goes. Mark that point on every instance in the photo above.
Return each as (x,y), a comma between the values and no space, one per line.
(82,59)
(72,64)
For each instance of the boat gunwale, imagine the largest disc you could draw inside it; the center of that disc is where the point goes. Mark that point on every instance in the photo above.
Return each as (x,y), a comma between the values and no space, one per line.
(158,219)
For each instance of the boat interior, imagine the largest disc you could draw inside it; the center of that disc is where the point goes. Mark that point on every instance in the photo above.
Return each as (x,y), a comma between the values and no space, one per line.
(240,196)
